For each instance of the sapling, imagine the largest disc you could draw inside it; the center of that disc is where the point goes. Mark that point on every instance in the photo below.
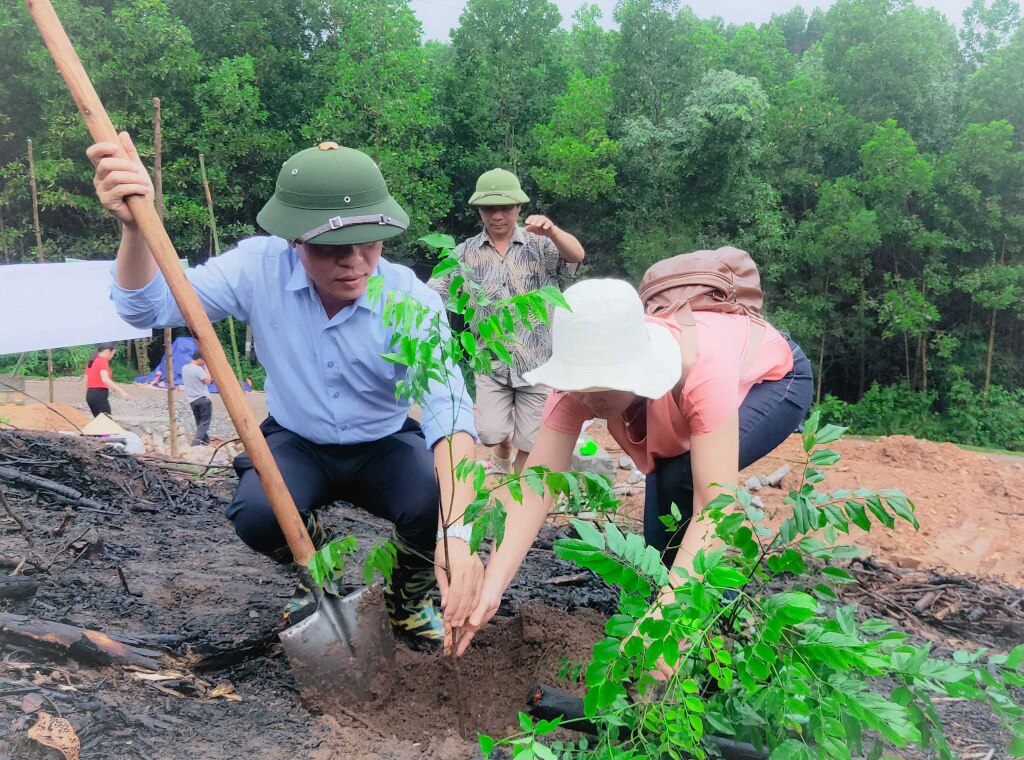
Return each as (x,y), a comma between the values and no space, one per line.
(760,646)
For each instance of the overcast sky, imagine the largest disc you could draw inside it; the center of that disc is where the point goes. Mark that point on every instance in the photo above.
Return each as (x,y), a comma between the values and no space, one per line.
(440,16)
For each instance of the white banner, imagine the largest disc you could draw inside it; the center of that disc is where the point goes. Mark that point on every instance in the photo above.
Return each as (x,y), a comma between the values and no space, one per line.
(58,305)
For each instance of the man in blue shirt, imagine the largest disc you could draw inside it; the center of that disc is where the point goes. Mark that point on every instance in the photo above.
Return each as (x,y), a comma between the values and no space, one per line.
(335,427)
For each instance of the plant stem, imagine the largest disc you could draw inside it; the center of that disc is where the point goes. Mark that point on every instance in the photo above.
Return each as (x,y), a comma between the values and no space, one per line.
(451,647)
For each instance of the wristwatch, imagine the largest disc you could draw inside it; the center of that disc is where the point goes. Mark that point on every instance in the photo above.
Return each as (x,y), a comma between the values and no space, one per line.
(462,532)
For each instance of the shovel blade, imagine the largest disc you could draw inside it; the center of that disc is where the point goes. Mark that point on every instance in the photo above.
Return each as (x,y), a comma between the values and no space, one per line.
(337,652)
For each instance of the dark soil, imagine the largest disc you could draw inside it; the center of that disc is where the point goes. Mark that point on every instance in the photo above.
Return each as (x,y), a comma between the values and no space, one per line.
(226,690)
(193,586)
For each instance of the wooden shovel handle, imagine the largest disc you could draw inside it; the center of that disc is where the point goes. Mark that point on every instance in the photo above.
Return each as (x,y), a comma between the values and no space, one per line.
(153,231)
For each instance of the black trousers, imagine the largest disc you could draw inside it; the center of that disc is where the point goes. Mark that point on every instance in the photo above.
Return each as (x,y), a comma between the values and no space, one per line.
(98,400)
(768,415)
(202,410)
(392,477)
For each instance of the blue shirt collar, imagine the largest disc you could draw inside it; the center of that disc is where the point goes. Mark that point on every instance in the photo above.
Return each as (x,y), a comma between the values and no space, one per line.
(299,279)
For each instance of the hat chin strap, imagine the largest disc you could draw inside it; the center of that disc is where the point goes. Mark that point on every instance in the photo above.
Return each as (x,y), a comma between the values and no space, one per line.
(498,194)
(338,222)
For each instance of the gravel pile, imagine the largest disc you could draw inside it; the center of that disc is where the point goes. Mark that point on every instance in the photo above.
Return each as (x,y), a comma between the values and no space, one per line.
(146,416)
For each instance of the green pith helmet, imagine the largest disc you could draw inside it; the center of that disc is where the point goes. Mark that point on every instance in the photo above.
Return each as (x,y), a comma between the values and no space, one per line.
(332,195)
(498,187)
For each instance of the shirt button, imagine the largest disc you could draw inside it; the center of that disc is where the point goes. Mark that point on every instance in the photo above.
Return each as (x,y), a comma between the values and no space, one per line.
(330,364)
(336,394)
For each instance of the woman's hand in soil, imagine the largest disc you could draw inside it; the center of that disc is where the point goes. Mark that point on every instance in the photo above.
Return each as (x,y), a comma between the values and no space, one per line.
(490,600)
(467,573)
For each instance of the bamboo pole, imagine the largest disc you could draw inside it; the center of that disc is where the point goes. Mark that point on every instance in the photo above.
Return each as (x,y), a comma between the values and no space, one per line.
(216,252)
(158,199)
(39,249)
(102,130)
(7,258)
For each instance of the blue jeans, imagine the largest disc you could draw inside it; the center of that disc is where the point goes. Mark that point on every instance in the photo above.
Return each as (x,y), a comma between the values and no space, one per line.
(768,415)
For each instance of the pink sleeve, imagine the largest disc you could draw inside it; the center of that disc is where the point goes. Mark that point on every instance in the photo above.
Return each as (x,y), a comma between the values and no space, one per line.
(564,413)
(711,392)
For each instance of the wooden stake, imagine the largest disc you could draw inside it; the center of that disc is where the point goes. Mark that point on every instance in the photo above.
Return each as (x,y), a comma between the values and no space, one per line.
(216,252)
(152,229)
(7,258)
(49,372)
(158,193)
(35,203)
(39,249)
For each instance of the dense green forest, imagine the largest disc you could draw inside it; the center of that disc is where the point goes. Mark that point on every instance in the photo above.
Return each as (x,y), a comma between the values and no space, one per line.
(868,156)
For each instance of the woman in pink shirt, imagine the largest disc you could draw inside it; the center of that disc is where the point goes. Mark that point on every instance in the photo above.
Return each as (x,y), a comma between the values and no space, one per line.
(687,405)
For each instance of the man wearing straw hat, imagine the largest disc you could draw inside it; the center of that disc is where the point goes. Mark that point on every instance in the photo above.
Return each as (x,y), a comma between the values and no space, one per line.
(335,427)
(508,260)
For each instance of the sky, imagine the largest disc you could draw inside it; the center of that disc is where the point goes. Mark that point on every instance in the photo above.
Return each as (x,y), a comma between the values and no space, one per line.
(440,16)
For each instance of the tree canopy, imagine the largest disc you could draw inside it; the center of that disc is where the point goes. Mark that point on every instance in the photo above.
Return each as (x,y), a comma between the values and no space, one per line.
(869,156)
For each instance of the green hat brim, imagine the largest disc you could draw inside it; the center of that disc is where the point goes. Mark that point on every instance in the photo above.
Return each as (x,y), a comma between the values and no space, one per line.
(499,198)
(290,222)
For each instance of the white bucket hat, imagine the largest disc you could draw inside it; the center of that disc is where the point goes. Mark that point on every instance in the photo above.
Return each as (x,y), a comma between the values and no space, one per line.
(605,342)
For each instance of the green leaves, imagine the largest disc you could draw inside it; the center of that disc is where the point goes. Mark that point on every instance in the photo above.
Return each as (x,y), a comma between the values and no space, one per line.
(824,457)
(785,641)
(855,511)
(443,267)
(900,505)
(725,577)
(791,749)
(380,559)
(328,563)
(789,607)
(438,240)
(828,434)
(623,560)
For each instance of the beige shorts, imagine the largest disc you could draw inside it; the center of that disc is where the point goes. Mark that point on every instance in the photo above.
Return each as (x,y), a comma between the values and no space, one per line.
(502,410)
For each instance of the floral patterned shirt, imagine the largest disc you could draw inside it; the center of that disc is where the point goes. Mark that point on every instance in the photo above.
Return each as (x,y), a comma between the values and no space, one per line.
(531,262)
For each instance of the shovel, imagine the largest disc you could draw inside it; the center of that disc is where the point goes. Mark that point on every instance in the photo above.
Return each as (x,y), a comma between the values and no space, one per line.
(336,651)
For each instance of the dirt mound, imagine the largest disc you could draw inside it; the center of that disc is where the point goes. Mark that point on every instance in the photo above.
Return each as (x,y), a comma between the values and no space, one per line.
(418,708)
(909,453)
(30,416)
(970,505)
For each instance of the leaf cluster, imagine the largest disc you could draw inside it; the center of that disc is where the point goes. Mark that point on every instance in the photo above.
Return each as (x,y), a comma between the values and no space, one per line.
(763,649)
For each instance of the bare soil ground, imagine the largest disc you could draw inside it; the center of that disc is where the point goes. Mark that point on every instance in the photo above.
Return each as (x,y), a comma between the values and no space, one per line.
(162,565)
(70,391)
(970,505)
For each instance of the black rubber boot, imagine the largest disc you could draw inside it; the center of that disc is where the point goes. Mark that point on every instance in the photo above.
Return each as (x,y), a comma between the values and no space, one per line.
(407,597)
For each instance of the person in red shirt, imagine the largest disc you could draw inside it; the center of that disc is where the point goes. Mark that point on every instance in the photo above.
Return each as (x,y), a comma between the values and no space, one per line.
(98,381)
